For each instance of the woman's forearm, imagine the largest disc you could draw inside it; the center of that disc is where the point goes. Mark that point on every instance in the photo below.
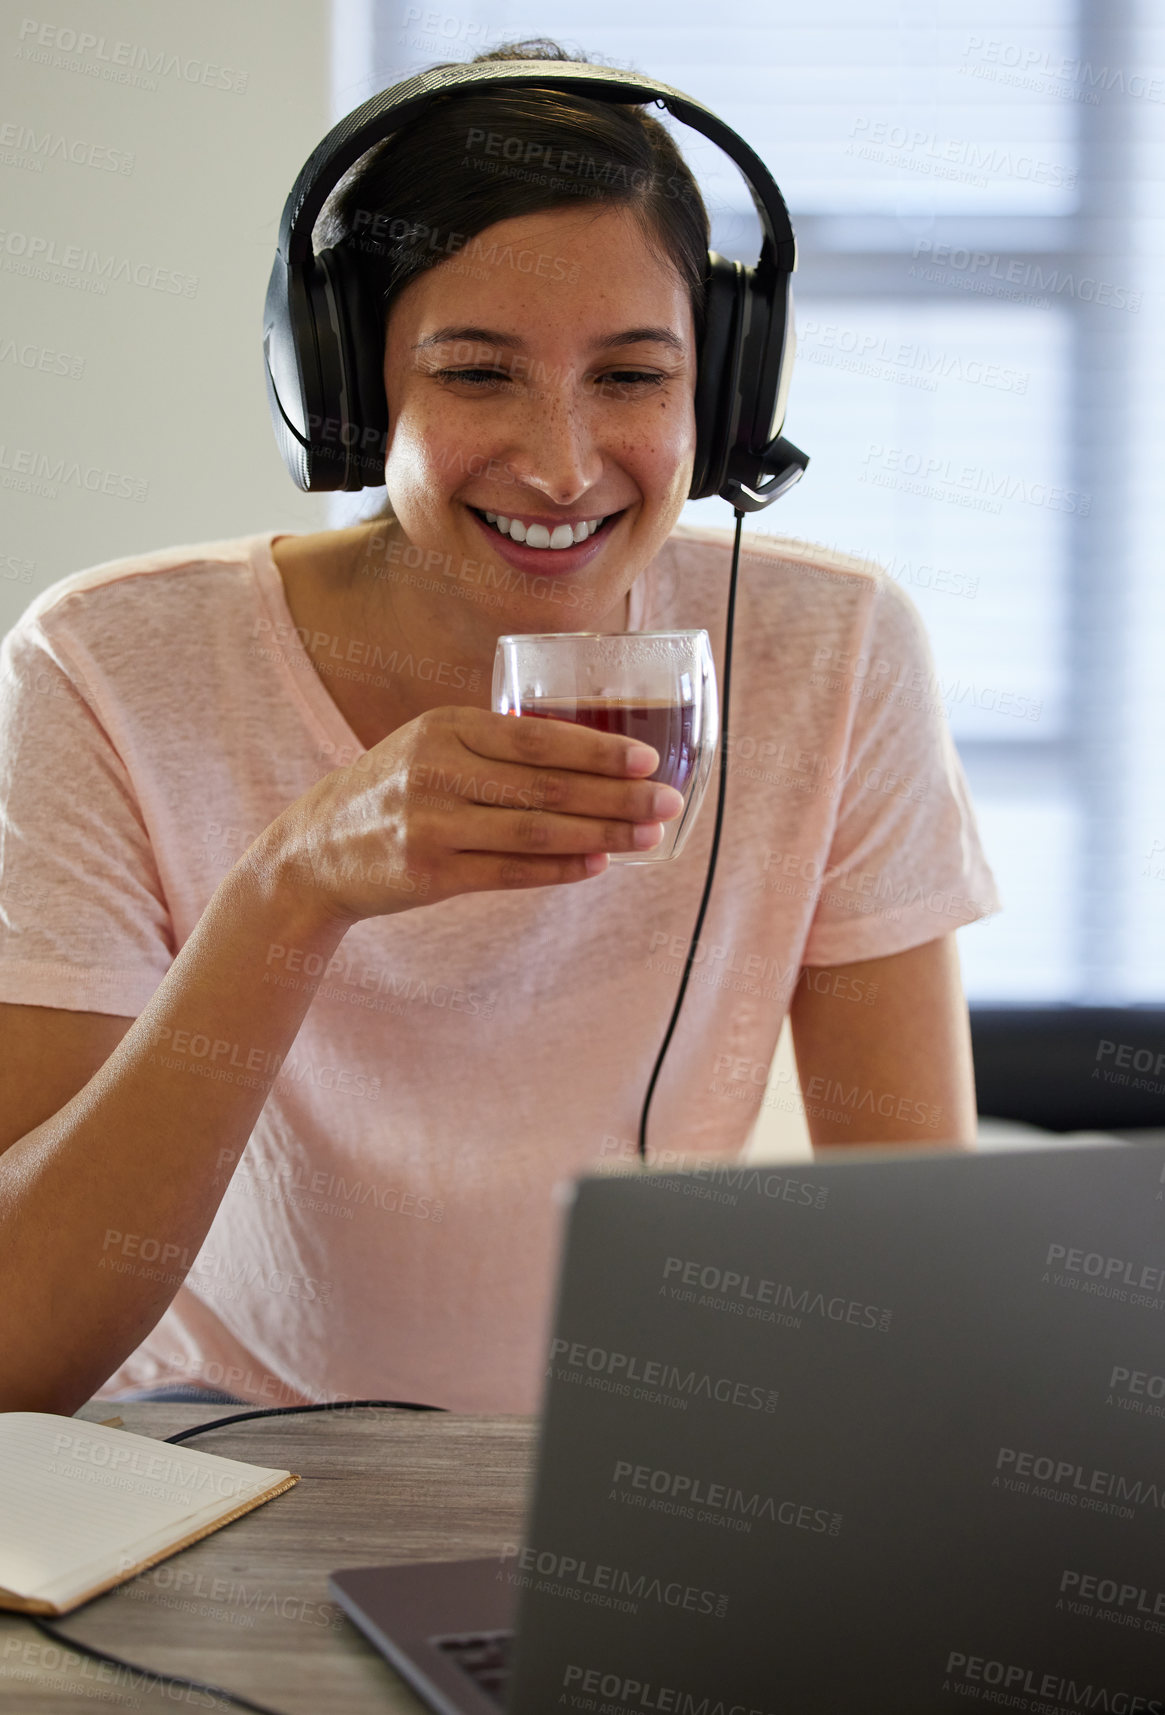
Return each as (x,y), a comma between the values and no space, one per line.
(104,1206)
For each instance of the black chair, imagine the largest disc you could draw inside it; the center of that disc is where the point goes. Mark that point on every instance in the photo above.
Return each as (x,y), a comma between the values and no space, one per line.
(1071,1068)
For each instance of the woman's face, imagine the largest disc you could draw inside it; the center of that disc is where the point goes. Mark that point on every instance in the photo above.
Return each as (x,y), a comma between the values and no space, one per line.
(543,373)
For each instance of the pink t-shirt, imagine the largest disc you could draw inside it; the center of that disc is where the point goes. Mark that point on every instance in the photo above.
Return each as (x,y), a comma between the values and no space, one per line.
(392,1228)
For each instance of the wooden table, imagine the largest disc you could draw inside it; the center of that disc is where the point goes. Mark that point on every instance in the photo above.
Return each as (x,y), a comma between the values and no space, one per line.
(247,1608)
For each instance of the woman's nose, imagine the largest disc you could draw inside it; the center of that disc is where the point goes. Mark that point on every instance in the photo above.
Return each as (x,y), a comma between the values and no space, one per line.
(554,447)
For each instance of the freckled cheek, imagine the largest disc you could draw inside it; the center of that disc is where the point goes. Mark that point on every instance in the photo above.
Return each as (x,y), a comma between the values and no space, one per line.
(425,455)
(677,436)
(670,452)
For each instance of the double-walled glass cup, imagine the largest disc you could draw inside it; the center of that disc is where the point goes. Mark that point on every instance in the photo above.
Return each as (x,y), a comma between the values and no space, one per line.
(655,686)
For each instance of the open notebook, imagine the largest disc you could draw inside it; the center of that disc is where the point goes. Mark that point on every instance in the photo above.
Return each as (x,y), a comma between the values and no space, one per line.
(84,1506)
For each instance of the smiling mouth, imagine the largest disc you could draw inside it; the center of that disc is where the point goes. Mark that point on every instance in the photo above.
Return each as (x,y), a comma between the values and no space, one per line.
(563,536)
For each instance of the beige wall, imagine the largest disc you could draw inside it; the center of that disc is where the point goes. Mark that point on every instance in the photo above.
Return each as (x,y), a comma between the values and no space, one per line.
(163,391)
(781,1132)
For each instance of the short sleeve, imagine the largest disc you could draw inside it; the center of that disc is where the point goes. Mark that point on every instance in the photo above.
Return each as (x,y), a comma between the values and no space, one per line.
(83,921)
(905,864)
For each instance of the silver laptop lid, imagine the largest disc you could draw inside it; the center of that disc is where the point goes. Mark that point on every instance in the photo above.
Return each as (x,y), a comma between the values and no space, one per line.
(885,1434)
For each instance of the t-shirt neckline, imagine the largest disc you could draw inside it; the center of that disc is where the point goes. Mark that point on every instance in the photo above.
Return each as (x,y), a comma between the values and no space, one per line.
(307,683)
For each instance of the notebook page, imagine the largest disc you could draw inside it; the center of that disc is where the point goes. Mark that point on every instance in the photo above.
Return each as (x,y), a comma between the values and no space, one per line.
(79,1500)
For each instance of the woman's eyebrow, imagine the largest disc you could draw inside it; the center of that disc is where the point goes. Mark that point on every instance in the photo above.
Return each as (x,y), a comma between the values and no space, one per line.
(485,336)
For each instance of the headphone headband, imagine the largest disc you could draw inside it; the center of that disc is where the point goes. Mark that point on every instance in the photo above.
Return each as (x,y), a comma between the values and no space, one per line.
(365,126)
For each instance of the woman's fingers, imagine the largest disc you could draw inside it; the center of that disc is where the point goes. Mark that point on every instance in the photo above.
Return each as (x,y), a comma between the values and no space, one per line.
(462,799)
(541,833)
(539,743)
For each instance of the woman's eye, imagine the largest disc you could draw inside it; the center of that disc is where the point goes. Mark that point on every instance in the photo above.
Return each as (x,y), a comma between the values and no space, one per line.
(621,378)
(474,376)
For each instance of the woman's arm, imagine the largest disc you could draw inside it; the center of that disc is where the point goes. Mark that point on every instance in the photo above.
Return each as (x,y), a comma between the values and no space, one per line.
(105,1203)
(135,1165)
(897,1070)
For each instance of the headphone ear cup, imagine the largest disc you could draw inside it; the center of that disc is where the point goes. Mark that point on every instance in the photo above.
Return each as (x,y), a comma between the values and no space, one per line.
(766,363)
(291,368)
(363,405)
(717,374)
(351,438)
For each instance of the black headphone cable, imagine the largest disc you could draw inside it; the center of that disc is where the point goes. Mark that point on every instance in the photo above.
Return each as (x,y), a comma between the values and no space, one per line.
(700,914)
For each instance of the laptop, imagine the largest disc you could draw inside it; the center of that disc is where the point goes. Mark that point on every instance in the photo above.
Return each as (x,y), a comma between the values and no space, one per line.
(881,1434)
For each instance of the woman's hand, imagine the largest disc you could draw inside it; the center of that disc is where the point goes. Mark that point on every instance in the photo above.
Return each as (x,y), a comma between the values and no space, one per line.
(462,800)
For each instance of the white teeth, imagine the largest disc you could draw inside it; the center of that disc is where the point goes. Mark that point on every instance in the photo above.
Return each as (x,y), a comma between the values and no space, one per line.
(539,536)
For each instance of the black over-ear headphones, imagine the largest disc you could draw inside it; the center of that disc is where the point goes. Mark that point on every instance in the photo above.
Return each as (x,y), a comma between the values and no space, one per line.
(323,328)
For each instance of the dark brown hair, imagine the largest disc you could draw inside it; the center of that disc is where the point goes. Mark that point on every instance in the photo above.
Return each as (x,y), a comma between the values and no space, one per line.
(469,161)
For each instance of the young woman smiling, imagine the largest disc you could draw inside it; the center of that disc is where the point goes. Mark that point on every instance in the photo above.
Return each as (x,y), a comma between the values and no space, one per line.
(317,979)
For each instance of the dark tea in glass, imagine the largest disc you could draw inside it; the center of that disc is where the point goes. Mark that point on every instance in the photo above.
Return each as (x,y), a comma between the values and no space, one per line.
(658,687)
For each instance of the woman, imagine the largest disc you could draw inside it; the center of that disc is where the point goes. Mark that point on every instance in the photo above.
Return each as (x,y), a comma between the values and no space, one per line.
(277,881)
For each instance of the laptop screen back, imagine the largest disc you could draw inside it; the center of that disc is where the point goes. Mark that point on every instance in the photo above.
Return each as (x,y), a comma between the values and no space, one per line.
(883,1434)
